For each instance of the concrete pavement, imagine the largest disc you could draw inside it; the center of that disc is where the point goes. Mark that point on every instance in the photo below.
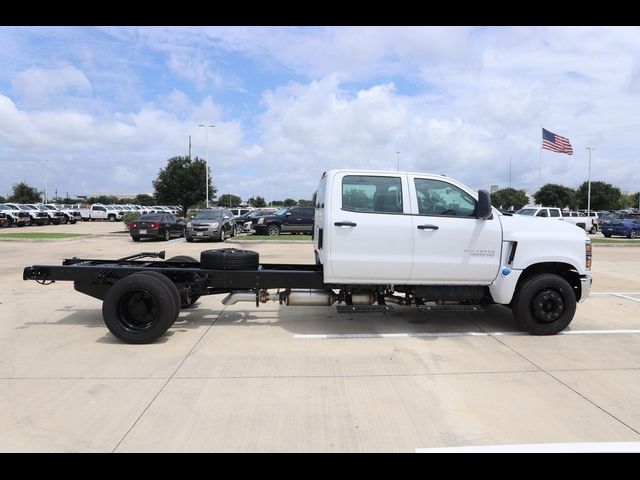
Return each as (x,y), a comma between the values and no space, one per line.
(248,379)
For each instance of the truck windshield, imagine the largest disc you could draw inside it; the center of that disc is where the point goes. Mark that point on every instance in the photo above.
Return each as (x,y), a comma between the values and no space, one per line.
(527,211)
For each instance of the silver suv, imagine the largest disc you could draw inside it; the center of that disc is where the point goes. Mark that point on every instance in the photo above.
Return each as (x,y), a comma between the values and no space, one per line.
(211,224)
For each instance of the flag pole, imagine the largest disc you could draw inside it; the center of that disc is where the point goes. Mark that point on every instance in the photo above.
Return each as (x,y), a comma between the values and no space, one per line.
(540,174)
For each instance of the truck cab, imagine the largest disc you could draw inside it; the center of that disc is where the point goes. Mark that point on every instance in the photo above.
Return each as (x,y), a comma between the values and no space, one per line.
(434,239)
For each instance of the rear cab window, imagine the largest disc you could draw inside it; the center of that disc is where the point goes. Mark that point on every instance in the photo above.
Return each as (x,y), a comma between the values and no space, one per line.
(372,194)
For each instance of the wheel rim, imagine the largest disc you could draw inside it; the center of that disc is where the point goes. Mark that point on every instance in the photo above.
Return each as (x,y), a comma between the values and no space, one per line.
(138,310)
(167,234)
(547,306)
(273,231)
(222,234)
(633,234)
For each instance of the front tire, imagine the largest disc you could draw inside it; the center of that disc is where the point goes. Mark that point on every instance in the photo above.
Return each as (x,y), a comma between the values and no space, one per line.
(608,235)
(273,230)
(633,233)
(544,304)
(139,308)
(167,235)
(594,229)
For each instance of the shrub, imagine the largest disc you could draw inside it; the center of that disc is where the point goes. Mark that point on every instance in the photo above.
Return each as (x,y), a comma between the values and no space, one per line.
(129,217)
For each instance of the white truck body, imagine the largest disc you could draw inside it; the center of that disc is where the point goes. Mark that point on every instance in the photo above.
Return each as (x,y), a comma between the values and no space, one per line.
(101,212)
(409,231)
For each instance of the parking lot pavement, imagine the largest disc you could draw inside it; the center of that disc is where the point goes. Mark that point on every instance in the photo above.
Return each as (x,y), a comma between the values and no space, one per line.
(280,379)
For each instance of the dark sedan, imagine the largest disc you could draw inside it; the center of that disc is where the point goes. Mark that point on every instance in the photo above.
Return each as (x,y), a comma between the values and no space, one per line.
(291,219)
(628,227)
(156,225)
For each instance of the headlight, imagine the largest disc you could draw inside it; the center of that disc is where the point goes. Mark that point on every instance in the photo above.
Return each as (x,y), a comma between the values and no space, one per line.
(189,225)
(260,221)
(214,225)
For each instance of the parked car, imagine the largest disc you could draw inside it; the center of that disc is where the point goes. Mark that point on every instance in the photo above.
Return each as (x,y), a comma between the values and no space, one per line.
(628,227)
(238,211)
(211,224)
(594,220)
(15,215)
(157,225)
(38,217)
(3,219)
(243,222)
(288,219)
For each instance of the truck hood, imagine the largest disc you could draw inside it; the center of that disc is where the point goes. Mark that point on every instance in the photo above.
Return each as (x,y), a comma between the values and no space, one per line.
(519,227)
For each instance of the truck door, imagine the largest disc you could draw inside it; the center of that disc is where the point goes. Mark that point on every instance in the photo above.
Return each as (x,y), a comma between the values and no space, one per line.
(292,220)
(450,244)
(369,234)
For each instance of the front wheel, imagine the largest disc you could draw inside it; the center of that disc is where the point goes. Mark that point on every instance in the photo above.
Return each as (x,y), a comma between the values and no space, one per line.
(594,229)
(633,233)
(167,235)
(273,230)
(112,218)
(222,236)
(544,304)
(608,235)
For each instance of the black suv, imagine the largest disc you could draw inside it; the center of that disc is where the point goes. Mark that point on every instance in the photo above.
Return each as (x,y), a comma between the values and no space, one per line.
(288,219)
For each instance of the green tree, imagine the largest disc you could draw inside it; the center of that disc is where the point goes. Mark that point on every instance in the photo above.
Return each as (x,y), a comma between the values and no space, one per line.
(24,193)
(2,199)
(356,198)
(313,198)
(289,202)
(182,182)
(257,202)
(305,203)
(604,196)
(554,195)
(276,203)
(509,197)
(144,200)
(229,200)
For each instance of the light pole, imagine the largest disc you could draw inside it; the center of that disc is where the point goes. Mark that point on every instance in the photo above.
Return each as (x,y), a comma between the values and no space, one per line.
(589,184)
(46,198)
(206,141)
(398,153)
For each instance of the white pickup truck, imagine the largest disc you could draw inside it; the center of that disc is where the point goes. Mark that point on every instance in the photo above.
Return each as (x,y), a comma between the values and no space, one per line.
(380,239)
(100,212)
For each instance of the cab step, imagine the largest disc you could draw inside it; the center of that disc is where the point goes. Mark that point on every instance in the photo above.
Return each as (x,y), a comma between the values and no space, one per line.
(451,308)
(363,308)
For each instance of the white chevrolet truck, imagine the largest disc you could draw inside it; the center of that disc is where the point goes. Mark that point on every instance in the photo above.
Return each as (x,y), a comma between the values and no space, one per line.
(381,239)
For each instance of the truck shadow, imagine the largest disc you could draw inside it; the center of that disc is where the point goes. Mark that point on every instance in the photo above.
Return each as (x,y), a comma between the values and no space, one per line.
(316,321)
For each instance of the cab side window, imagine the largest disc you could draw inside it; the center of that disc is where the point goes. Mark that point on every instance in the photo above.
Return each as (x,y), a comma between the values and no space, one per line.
(554,212)
(439,198)
(542,213)
(370,194)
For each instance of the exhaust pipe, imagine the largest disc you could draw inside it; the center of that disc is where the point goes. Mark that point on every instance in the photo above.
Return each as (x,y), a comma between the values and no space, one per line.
(316,298)
(235,297)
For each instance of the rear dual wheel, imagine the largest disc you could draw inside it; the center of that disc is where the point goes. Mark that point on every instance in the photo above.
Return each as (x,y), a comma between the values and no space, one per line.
(141,307)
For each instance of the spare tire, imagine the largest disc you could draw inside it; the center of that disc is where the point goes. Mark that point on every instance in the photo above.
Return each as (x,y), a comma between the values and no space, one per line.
(229,259)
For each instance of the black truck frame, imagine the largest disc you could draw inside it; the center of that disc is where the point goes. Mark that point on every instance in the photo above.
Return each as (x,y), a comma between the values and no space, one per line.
(142,298)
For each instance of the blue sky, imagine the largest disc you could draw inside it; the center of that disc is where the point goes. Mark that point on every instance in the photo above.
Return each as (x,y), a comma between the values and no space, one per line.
(106,107)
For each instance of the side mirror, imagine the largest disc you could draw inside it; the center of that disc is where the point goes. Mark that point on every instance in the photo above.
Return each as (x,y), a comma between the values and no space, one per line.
(483,207)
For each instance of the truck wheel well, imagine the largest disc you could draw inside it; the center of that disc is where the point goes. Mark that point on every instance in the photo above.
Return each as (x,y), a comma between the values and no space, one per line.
(564,270)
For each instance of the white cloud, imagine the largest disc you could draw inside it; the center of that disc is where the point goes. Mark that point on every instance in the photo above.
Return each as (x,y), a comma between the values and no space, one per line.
(39,86)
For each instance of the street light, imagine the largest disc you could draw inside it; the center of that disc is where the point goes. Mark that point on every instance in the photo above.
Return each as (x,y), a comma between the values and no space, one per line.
(398,161)
(589,184)
(206,141)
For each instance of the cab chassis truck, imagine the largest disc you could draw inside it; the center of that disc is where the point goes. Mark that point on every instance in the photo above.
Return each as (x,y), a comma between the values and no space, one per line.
(380,239)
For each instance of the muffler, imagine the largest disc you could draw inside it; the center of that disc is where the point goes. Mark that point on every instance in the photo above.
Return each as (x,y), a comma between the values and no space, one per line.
(314,298)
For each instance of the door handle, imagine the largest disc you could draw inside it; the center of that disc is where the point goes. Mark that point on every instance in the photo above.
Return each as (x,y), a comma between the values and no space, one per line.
(428,227)
(345,224)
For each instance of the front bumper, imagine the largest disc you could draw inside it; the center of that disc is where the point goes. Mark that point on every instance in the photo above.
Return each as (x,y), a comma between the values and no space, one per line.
(204,234)
(585,283)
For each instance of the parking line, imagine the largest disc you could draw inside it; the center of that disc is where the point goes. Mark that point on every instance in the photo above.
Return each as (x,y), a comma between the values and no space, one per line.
(628,298)
(591,447)
(336,336)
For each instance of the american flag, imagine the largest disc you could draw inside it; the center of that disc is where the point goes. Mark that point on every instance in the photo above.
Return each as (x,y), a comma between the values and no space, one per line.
(556,143)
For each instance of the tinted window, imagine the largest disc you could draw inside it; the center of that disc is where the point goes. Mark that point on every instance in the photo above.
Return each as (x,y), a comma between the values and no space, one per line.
(307,212)
(320,192)
(542,213)
(554,212)
(151,217)
(209,215)
(362,193)
(436,197)
(526,211)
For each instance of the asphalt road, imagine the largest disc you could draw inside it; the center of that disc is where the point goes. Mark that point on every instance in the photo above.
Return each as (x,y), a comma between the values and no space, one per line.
(307,379)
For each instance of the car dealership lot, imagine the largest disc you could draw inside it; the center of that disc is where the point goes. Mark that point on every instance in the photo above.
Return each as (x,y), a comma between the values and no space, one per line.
(272,378)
